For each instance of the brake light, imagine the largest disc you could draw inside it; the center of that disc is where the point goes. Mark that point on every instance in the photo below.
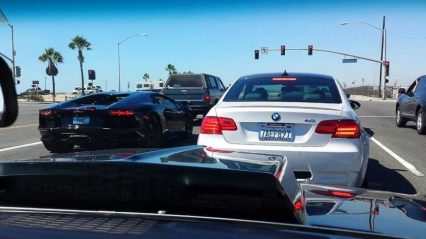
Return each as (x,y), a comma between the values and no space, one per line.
(215,125)
(341,194)
(339,128)
(46,112)
(121,113)
(298,205)
(207,97)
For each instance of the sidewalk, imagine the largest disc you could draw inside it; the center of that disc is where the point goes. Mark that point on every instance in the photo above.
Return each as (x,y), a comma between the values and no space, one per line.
(368,98)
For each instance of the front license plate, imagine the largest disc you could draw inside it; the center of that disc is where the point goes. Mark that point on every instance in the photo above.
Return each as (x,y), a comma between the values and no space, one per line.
(81,120)
(276,132)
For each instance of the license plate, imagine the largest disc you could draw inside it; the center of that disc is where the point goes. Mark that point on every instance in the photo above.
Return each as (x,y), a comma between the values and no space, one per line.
(81,120)
(276,132)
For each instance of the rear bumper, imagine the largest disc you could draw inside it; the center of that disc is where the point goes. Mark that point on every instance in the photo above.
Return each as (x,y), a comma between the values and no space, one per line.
(98,136)
(340,163)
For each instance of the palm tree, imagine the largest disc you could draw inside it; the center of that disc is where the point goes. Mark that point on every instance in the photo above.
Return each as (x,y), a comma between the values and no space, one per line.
(80,43)
(146,77)
(171,69)
(52,58)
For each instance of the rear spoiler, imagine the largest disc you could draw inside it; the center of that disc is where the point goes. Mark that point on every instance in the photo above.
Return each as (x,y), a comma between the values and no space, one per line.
(146,187)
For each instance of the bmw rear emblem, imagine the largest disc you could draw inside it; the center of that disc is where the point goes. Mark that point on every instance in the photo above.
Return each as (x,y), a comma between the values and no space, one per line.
(275,116)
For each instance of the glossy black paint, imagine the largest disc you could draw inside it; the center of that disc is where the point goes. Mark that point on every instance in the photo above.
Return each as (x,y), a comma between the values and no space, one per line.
(104,129)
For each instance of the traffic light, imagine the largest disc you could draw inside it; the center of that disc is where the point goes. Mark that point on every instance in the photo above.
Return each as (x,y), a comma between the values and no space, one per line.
(282,50)
(92,75)
(256,54)
(310,49)
(386,68)
(17,71)
(386,81)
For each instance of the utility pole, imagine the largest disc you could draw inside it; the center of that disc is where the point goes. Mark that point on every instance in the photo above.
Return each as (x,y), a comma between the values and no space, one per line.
(381,57)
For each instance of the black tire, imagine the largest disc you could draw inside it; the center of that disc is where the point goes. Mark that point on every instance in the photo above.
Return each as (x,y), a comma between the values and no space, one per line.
(189,126)
(58,147)
(154,133)
(400,121)
(420,122)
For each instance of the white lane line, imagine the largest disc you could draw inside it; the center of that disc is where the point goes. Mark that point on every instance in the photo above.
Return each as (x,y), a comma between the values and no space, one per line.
(377,116)
(406,164)
(20,146)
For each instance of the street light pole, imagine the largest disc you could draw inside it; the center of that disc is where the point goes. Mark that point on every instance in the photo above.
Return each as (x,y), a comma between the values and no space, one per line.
(118,49)
(384,74)
(381,58)
(13,53)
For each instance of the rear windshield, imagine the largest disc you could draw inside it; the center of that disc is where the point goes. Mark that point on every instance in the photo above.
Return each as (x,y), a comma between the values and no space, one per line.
(99,99)
(314,90)
(184,81)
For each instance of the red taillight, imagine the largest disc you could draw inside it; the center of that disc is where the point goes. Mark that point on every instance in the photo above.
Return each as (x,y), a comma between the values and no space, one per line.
(46,112)
(298,205)
(207,97)
(121,113)
(215,125)
(339,128)
(341,194)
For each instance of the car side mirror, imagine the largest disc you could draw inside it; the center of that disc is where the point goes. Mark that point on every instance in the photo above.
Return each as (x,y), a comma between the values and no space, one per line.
(8,97)
(354,104)
(401,91)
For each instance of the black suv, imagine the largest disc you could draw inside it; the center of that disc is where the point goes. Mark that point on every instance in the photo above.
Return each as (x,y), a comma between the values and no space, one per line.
(411,105)
(201,91)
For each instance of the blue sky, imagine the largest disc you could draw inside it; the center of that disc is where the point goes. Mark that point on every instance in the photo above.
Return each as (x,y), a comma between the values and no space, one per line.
(216,37)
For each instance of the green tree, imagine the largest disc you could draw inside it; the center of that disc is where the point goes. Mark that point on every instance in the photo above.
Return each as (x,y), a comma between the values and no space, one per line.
(52,58)
(80,43)
(146,77)
(171,69)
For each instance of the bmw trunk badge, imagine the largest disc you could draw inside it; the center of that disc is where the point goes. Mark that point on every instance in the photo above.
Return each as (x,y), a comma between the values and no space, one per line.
(275,116)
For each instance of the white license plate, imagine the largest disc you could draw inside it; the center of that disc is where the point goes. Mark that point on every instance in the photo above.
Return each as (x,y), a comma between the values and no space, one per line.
(276,132)
(81,120)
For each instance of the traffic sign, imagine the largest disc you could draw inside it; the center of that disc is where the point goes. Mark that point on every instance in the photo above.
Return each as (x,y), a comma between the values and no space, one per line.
(36,82)
(350,60)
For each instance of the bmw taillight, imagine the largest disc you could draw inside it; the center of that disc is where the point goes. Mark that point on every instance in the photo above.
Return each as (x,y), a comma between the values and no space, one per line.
(121,113)
(207,97)
(46,113)
(215,125)
(339,128)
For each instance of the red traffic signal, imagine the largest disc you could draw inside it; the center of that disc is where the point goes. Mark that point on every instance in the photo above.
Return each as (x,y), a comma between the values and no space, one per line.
(92,75)
(386,63)
(256,54)
(282,50)
(310,49)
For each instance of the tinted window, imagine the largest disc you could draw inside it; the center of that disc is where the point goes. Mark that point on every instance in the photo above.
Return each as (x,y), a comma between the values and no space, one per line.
(420,85)
(212,82)
(221,86)
(316,90)
(100,99)
(166,103)
(412,87)
(161,84)
(146,85)
(185,81)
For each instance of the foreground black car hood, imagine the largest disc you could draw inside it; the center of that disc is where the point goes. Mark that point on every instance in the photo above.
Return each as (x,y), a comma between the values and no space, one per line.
(195,181)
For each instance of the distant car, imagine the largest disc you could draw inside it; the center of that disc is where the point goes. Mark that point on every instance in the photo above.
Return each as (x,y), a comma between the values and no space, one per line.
(31,91)
(146,119)
(306,117)
(202,91)
(87,90)
(411,105)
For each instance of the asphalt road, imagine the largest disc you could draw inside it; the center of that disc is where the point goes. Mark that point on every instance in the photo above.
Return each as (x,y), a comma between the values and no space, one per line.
(385,172)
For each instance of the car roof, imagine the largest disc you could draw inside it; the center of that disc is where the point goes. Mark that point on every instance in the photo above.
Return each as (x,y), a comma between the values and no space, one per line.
(287,74)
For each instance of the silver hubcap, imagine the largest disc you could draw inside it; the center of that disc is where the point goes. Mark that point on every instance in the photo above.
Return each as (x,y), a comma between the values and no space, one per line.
(419,121)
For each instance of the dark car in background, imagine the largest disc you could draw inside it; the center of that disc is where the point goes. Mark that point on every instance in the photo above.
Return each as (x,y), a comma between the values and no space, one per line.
(202,91)
(411,105)
(142,118)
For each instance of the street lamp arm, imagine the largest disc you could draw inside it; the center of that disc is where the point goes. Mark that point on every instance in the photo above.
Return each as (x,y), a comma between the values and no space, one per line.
(361,22)
(138,34)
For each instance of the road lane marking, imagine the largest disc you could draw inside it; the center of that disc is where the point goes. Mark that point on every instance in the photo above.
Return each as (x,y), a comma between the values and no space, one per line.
(406,164)
(19,126)
(377,116)
(20,146)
